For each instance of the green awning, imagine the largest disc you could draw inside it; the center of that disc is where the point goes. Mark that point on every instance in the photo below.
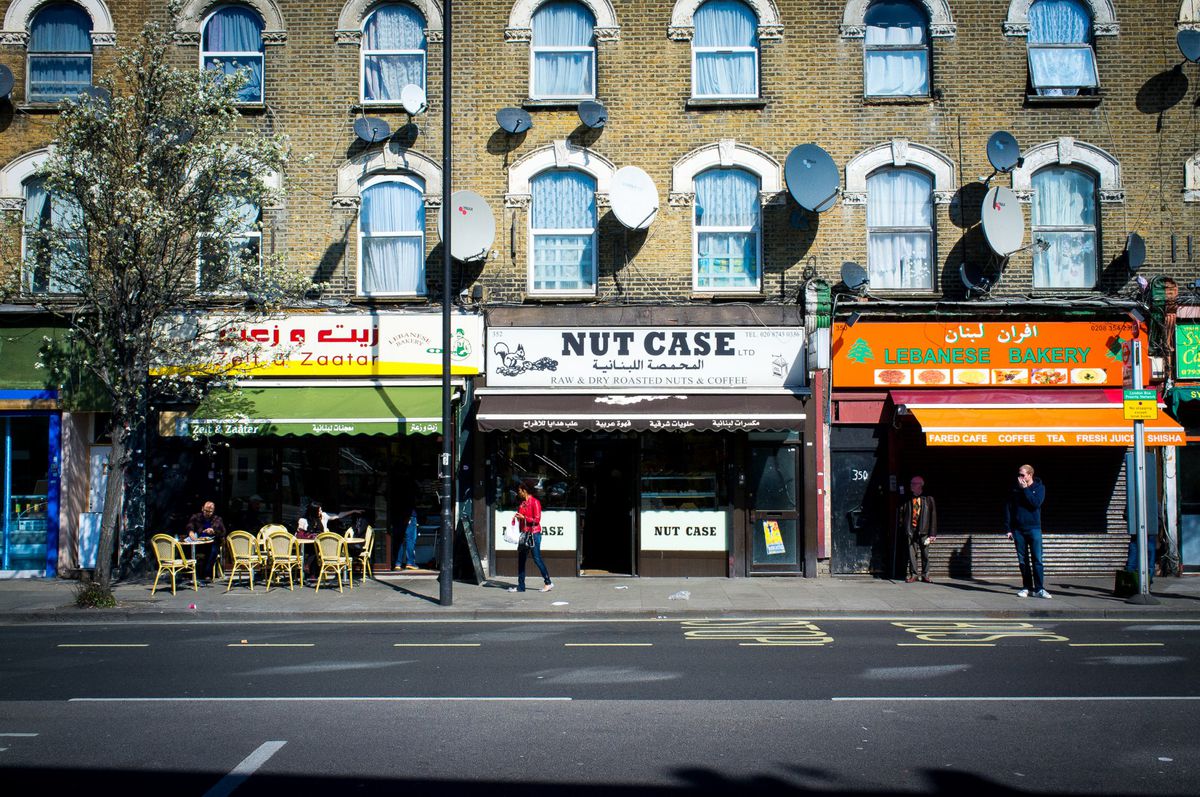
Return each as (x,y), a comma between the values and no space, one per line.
(333,410)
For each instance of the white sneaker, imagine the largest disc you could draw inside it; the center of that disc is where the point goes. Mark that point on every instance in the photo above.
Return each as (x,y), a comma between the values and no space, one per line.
(1041,593)
(548,587)
(1022,593)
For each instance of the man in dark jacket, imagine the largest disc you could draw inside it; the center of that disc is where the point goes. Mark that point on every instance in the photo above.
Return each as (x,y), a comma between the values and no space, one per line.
(1023,524)
(918,524)
(207,523)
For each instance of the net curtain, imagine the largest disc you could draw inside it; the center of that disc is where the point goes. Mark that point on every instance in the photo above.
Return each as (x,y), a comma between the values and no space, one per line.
(726,24)
(391,262)
(896,72)
(59,29)
(563,200)
(235,29)
(727,198)
(900,258)
(1060,22)
(1065,198)
(558,73)
(45,212)
(393,27)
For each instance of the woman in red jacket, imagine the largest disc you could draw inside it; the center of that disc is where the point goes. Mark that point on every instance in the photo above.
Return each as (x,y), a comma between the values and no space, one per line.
(529,515)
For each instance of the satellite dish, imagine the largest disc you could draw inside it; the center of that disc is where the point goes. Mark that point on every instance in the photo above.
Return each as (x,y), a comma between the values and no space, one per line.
(593,114)
(973,278)
(6,81)
(1189,44)
(1135,251)
(812,177)
(1003,151)
(413,98)
(634,197)
(1003,221)
(371,129)
(854,275)
(513,120)
(473,229)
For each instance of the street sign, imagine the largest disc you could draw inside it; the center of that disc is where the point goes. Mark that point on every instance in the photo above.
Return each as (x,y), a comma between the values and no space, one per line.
(1141,405)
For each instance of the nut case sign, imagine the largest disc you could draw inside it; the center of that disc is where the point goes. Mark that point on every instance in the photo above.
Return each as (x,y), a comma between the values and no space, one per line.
(646,357)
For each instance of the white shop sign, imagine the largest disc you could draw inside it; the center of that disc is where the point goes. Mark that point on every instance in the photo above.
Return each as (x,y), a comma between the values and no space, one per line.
(685,530)
(558,529)
(639,357)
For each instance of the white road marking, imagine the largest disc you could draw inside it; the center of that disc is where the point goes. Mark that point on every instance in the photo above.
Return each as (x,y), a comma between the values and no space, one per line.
(1079,699)
(102,645)
(238,775)
(271,645)
(1115,645)
(19,735)
(365,699)
(608,644)
(436,645)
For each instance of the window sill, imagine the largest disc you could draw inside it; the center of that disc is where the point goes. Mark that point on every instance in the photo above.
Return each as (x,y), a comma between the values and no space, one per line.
(1079,101)
(251,107)
(557,298)
(737,296)
(39,107)
(725,103)
(407,299)
(923,99)
(1050,293)
(531,104)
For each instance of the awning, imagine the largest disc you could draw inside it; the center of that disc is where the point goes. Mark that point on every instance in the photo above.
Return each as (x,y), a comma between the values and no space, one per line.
(386,410)
(1030,418)
(639,413)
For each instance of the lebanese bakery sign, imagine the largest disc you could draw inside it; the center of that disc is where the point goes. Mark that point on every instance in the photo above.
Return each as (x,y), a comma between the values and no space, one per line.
(641,357)
(981,354)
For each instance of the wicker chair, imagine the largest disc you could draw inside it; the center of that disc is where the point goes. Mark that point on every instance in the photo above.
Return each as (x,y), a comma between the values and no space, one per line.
(171,559)
(331,553)
(364,556)
(282,555)
(243,551)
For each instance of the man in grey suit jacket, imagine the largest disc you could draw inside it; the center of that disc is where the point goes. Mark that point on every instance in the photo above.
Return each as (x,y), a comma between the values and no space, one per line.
(918,523)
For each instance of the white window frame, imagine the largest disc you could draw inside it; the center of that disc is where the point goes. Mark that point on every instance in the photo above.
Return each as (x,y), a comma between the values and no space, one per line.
(534,232)
(755,229)
(412,182)
(929,231)
(261,55)
(254,234)
(29,56)
(1084,89)
(364,53)
(534,49)
(1071,228)
(729,51)
(926,48)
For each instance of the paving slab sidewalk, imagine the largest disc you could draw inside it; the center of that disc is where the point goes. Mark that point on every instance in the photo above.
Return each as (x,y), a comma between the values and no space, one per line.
(402,598)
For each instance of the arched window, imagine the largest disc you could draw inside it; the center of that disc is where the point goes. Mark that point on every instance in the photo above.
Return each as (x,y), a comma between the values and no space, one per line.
(1064,216)
(563,55)
(1061,59)
(725,50)
(900,229)
(896,50)
(232,40)
(237,250)
(391,237)
(53,242)
(60,53)
(726,236)
(562,223)
(393,52)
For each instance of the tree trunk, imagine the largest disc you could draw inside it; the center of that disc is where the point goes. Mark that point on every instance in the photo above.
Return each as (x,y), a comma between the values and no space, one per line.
(132,550)
(113,509)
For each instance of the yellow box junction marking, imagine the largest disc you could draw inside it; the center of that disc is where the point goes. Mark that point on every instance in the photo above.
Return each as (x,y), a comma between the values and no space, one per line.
(754,633)
(974,634)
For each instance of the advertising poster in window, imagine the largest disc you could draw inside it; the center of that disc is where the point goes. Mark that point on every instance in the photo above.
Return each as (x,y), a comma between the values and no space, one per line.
(773,537)
(684,531)
(558,530)
(647,357)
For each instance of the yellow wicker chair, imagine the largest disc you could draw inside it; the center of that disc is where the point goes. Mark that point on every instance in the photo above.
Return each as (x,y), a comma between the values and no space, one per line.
(364,556)
(282,553)
(331,553)
(171,559)
(243,551)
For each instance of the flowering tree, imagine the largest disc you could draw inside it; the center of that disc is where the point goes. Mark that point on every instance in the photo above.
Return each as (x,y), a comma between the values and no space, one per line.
(146,212)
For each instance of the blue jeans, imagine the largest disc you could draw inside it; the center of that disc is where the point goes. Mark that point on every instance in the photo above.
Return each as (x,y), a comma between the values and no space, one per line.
(522,551)
(1029,557)
(1132,562)
(407,554)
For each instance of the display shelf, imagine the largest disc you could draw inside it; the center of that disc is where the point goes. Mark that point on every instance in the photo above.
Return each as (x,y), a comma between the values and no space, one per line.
(679,492)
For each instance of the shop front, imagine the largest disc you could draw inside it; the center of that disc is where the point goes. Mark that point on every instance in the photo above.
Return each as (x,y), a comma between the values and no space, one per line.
(1185,404)
(964,405)
(673,451)
(341,410)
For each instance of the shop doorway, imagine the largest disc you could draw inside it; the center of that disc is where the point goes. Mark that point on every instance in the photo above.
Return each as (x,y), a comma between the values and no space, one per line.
(608,480)
(774,493)
(861,531)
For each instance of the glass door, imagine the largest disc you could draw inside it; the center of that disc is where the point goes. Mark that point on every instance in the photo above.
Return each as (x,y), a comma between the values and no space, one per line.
(774,495)
(26,461)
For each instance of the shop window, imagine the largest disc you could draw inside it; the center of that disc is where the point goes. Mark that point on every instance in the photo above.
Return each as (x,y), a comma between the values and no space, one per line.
(393,52)
(549,461)
(563,231)
(563,55)
(726,233)
(725,51)
(900,229)
(672,482)
(1064,216)
(54,240)
(60,53)
(231,41)
(227,257)
(391,238)
(896,50)
(1061,59)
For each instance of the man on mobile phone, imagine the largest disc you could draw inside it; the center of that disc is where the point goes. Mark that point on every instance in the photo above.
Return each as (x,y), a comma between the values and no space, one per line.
(1023,525)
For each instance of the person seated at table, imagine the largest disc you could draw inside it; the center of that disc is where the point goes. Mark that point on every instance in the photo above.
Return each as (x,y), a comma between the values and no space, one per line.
(206,524)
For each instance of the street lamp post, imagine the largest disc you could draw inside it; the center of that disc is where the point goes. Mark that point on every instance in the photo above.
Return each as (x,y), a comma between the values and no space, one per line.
(446,463)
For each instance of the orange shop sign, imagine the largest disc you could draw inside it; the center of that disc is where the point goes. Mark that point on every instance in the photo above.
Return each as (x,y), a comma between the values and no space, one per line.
(982,353)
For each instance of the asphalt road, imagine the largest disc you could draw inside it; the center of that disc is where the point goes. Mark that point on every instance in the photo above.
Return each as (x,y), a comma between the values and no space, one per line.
(656,708)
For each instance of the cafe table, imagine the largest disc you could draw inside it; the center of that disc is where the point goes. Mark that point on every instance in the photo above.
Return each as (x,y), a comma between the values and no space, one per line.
(194,541)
